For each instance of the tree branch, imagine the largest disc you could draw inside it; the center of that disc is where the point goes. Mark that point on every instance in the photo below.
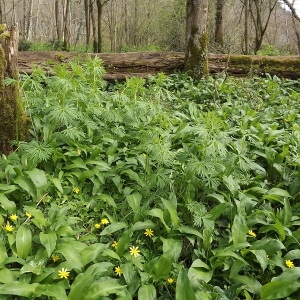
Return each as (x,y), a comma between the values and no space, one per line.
(292,8)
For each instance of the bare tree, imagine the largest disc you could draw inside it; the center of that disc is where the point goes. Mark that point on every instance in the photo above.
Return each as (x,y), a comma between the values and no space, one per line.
(1,13)
(261,11)
(219,22)
(100,4)
(196,61)
(87,22)
(66,35)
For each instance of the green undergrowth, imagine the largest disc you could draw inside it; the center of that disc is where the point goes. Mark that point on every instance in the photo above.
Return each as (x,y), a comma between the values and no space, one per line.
(165,189)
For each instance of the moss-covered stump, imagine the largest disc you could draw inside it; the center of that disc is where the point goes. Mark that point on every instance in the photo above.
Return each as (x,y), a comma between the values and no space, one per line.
(12,117)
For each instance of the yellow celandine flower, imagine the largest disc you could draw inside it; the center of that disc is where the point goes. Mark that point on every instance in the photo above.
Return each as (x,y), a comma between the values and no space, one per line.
(14,217)
(63,273)
(76,190)
(114,244)
(9,227)
(134,251)
(268,257)
(289,264)
(78,151)
(104,221)
(118,271)
(97,225)
(148,232)
(170,280)
(144,154)
(28,215)
(55,257)
(250,232)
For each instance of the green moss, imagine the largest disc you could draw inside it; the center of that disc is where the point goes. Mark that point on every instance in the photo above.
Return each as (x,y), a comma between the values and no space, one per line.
(196,64)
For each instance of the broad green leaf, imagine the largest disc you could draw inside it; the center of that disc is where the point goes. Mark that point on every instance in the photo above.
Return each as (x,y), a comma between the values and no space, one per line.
(6,275)
(108,199)
(57,184)
(147,292)
(261,257)
(142,225)
(290,275)
(252,284)
(77,163)
(134,201)
(227,253)
(7,205)
(280,229)
(23,241)
(26,184)
(174,246)
(3,252)
(113,228)
(39,179)
(199,271)
(48,240)
(124,242)
(219,209)
(103,288)
(276,194)
(19,289)
(270,245)
(131,277)
(183,286)
(71,252)
(287,212)
(38,219)
(189,230)
(35,267)
(158,213)
(173,212)
(293,254)
(231,184)
(54,291)
(278,289)
(84,281)
(162,267)
(91,252)
(123,295)
(239,229)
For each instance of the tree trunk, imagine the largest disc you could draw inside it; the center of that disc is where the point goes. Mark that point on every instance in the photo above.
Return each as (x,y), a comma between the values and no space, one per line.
(99,29)
(95,43)
(246,32)
(196,61)
(219,23)
(13,119)
(1,12)
(87,23)
(29,21)
(57,21)
(66,39)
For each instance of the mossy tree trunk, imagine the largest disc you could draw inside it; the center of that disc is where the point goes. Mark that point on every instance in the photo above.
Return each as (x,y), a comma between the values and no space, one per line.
(196,60)
(12,117)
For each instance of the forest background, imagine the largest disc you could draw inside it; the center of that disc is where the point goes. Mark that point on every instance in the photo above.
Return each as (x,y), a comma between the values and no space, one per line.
(235,26)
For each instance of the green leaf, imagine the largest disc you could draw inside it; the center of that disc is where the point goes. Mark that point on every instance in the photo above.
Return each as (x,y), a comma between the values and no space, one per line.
(35,267)
(39,179)
(172,211)
(134,201)
(3,252)
(90,253)
(39,219)
(108,199)
(54,291)
(293,254)
(7,205)
(183,286)
(103,288)
(147,292)
(57,184)
(142,225)
(162,267)
(239,229)
(199,271)
(113,228)
(174,246)
(158,213)
(270,245)
(71,252)
(26,184)
(6,275)
(290,275)
(48,240)
(23,241)
(278,289)
(19,288)
(252,284)
(261,257)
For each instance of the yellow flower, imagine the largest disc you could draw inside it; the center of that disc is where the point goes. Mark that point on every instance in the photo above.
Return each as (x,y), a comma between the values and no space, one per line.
(28,215)
(144,154)
(76,190)
(134,251)
(118,271)
(268,257)
(14,217)
(9,227)
(170,280)
(97,226)
(64,273)
(250,232)
(55,257)
(114,244)
(78,151)
(148,232)
(289,264)
(104,221)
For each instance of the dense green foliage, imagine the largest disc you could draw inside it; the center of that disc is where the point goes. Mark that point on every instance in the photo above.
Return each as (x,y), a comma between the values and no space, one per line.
(166,189)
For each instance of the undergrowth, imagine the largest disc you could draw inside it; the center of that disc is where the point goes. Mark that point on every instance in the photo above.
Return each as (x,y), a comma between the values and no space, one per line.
(165,189)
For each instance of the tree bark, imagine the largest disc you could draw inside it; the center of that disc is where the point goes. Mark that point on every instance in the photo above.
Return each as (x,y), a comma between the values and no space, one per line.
(58,21)
(66,38)
(13,119)
(219,23)
(87,23)
(196,62)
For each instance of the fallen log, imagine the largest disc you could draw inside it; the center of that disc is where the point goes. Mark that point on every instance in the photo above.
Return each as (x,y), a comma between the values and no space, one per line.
(121,65)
